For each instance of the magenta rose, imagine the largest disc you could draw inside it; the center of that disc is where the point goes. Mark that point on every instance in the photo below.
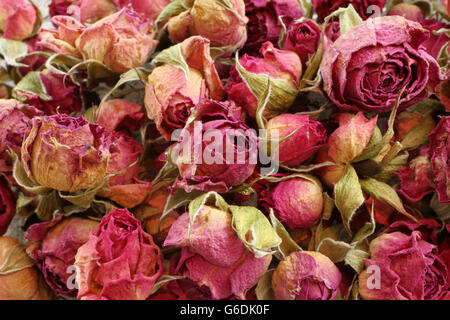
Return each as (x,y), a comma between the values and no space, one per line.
(324,8)
(53,246)
(306,276)
(309,134)
(213,256)
(119,261)
(206,164)
(440,159)
(303,37)
(409,268)
(7,205)
(278,64)
(65,95)
(264,24)
(371,65)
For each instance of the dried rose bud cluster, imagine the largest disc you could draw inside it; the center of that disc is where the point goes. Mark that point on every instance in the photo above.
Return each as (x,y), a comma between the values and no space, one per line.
(223,150)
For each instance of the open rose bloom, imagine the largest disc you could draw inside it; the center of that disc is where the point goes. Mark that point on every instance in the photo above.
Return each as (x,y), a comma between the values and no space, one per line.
(224,150)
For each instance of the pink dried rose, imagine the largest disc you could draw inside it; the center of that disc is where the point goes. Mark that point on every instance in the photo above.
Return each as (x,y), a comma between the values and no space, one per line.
(407,10)
(119,261)
(53,246)
(125,189)
(388,61)
(417,178)
(13,125)
(65,95)
(303,37)
(65,153)
(309,134)
(121,41)
(171,93)
(324,8)
(351,138)
(297,202)
(149,8)
(410,268)
(17,19)
(213,255)
(306,276)
(219,163)
(264,24)
(120,114)
(223,25)
(440,159)
(63,39)
(278,64)
(7,205)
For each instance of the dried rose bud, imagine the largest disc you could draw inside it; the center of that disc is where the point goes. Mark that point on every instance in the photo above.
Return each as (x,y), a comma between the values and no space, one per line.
(213,255)
(119,261)
(408,11)
(409,268)
(65,153)
(309,134)
(124,189)
(303,37)
(264,24)
(306,276)
(171,93)
(63,39)
(393,60)
(330,175)
(53,246)
(119,114)
(324,8)
(13,125)
(278,64)
(7,205)
(121,41)
(223,25)
(440,159)
(417,178)
(220,169)
(17,19)
(298,202)
(18,280)
(65,95)
(351,138)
